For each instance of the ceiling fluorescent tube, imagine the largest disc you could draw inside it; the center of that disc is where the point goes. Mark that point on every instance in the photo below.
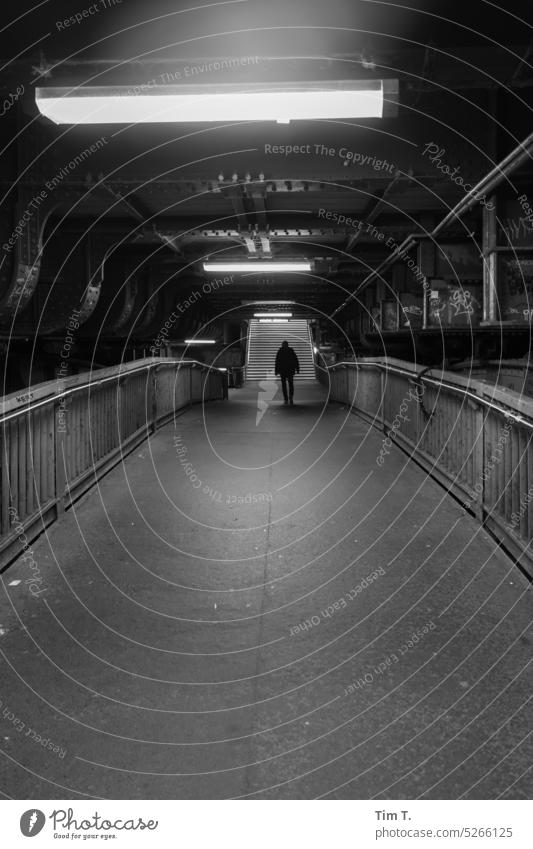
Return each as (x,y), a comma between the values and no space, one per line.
(337,100)
(263,267)
(272,314)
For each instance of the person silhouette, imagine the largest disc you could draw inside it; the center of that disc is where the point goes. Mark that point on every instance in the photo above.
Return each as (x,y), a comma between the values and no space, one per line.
(286,365)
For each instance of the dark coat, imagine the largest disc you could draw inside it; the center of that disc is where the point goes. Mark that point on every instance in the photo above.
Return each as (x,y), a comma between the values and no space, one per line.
(286,361)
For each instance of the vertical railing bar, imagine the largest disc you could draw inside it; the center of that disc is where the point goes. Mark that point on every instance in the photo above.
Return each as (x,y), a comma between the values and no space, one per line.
(479,454)
(36,456)
(30,501)
(113,414)
(21,468)
(438,415)
(43,453)
(59,453)
(13,470)
(468,441)
(497,478)
(521,483)
(459,426)
(507,500)
(86,448)
(110,417)
(92,405)
(4,467)
(93,429)
(514,482)
(83,425)
(490,489)
(105,413)
(528,494)
(73,439)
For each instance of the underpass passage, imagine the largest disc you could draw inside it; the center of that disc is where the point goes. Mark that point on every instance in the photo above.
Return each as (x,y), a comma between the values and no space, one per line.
(249,605)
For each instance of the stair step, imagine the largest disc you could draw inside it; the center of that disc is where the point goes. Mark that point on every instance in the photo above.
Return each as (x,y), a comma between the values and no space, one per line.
(264,341)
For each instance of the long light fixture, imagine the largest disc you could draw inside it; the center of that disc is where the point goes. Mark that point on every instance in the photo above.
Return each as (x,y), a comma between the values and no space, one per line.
(200,341)
(272,314)
(257,265)
(281,102)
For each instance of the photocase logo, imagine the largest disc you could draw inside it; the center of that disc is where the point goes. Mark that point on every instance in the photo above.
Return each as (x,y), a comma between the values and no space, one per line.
(268,388)
(32,822)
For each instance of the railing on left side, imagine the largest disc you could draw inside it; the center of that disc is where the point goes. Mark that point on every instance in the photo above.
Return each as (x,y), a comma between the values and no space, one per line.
(58,438)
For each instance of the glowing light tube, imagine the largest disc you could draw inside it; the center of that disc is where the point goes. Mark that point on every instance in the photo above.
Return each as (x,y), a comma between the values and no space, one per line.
(264,267)
(198,104)
(199,341)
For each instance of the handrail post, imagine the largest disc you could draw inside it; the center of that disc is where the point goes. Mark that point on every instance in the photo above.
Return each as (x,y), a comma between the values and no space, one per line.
(479,460)
(418,416)
(60,478)
(381,408)
(490,262)
(153,390)
(5,483)
(120,407)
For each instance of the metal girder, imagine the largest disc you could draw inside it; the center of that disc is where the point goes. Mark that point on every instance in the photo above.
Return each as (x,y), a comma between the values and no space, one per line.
(171,242)
(196,186)
(131,291)
(143,214)
(463,65)
(258,198)
(235,194)
(21,239)
(265,245)
(372,210)
(489,183)
(490,262)
(99,249)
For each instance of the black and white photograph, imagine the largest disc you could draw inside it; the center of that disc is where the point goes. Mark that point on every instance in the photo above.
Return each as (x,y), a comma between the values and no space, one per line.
(266,442)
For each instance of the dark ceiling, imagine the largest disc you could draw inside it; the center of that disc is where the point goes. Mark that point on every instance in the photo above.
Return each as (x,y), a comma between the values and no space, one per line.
(181,193)
(121,28)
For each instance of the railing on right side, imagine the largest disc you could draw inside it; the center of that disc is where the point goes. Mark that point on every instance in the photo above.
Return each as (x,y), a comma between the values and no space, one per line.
(473,437)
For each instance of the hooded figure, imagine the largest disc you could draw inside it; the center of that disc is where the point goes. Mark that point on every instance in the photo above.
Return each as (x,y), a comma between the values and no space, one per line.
(286,365)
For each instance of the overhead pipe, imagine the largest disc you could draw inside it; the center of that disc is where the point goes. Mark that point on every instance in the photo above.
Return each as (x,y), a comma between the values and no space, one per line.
(490,181)
(520,154)
(374,208)
(406,245)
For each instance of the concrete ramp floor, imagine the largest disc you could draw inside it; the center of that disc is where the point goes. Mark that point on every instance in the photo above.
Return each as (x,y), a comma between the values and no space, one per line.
(250,606)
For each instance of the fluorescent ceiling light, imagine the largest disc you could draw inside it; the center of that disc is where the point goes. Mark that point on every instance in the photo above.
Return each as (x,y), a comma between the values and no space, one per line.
(272,314)
(266,266)
(199,341)
(281,102)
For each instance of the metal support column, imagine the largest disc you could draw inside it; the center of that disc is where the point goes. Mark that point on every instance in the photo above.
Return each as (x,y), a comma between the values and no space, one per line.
(426,264)
(490,261)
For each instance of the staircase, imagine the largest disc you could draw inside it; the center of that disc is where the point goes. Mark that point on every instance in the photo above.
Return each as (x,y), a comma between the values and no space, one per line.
(264,340)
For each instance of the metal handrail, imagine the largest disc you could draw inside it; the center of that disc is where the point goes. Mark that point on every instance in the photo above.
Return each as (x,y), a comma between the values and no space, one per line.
(460,444)
(70,390)
(46,465)
(453,387)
